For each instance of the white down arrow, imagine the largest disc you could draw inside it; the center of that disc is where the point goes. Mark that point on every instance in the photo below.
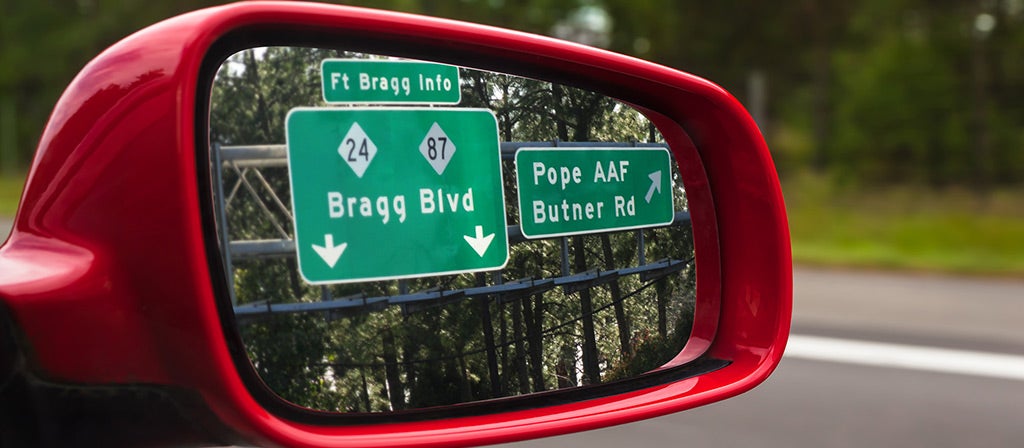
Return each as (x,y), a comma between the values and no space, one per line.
(329,252)
(480,243)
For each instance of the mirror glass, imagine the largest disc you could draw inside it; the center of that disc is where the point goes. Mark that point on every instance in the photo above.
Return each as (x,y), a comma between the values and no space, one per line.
(372,219)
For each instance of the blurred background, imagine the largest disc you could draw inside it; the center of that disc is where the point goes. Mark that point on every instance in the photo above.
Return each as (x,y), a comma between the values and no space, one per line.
(897,127)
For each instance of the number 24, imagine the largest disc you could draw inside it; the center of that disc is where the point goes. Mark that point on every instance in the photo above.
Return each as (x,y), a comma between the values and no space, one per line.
(364,151)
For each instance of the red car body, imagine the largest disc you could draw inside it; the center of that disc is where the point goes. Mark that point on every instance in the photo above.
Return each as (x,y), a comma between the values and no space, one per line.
(107,277)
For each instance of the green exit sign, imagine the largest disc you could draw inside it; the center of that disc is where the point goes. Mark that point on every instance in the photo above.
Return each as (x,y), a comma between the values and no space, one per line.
(388,193)
(348,81)
(584,190)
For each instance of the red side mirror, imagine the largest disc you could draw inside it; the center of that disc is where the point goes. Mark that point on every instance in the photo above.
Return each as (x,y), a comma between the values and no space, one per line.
(130,286)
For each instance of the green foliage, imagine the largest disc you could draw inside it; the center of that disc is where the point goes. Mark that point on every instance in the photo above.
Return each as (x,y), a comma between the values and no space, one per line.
(10,194)
(891,91)
(653,350)
(901,115)
(292,80)
(44,44)
(906,227)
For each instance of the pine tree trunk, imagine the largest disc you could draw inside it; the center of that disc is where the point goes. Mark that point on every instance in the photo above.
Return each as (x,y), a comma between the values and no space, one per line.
(492,355)
(591,369)
(620,310)
(396,391)
(662,291)
(534,328)
(520,354)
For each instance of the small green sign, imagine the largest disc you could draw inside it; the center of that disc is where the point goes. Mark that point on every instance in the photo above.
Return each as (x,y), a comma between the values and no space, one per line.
(348,81)
(387,193)
(584,190)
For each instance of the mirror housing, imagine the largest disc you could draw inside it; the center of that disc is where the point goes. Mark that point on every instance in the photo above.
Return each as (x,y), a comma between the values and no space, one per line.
(110,274)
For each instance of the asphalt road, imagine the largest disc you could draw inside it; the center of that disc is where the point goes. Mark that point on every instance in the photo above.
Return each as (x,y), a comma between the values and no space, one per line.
(812,403)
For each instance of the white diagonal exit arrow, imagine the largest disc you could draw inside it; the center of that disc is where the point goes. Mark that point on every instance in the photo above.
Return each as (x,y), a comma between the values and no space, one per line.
(329,252)
(480,243)
(655,185)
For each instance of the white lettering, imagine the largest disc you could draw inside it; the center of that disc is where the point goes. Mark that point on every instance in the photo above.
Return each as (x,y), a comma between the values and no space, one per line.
(335,207)
(399,205)
(428,84)
(351,203)
(538,212)
(397,86)
(467,200)
(563,176)
(624,207)
(566,211)
(434,201)
(613,174)
(453,201)
(365,207)
(568,175)
(382,208)
(538,171)
(426,201)
(339,207)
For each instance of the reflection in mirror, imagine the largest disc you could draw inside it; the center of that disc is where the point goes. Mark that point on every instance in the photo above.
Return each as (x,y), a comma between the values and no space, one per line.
(563,312)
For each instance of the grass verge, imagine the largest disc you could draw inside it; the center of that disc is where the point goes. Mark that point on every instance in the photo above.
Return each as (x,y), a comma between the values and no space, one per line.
(906,228)
(10,193)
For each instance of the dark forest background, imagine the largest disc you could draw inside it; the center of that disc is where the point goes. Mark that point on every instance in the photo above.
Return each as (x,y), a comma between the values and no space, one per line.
(896,126)
(868,91)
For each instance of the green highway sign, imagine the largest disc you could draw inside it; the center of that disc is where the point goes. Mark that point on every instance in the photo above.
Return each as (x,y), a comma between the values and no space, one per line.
(388,193)
(585,190)
(348,81)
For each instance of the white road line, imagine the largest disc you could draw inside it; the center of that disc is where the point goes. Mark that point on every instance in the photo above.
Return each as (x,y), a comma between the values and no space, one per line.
(993,365)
